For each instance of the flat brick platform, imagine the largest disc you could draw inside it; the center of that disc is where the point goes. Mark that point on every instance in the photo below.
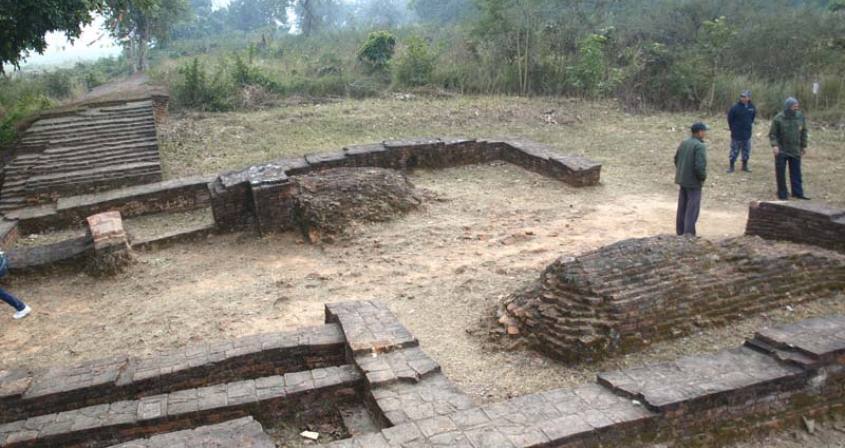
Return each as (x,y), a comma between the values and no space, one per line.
(622,297)
(208,395)
(799,221)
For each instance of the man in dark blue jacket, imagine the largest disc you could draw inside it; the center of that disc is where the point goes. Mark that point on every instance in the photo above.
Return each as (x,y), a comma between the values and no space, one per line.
(741,120)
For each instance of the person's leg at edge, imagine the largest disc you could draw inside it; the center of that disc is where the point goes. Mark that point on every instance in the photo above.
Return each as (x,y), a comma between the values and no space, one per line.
(780,176)
(12,300)
(682,211)
(733,155)
(746,154)
(692,210)
(795,180)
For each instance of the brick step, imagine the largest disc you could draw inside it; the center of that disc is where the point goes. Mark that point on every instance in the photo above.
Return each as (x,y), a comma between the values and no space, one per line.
(70,120)
(122,421)
(91,152)
(119,378)
(87,125)
(39,182)
(103,132)
(120,158)
(93,130)
(147,131)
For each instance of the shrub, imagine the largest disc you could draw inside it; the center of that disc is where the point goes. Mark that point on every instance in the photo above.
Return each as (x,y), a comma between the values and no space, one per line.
(377,50)
(416,65)
(195,90)
(23,108)
(59,84)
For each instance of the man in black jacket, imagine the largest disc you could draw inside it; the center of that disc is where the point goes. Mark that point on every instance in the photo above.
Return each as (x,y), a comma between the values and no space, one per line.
(741,120)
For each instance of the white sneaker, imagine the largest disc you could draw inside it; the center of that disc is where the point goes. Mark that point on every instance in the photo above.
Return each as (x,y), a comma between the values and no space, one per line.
(22,313)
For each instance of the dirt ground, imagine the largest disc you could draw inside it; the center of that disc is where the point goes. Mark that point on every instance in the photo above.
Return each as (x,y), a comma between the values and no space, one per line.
(492,230)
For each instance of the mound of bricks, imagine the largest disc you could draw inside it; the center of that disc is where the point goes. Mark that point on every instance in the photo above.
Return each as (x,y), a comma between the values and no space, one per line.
(801,222)
(89,148)
(623,296)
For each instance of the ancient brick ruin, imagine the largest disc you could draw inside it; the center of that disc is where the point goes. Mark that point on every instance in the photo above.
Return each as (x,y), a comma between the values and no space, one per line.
(223,393)
(82,149)
(802,222)
(623,296)
(263,197)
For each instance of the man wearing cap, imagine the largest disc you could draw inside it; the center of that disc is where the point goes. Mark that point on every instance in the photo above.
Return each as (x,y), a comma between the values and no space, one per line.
(788,136)
(740,121)
(690,173)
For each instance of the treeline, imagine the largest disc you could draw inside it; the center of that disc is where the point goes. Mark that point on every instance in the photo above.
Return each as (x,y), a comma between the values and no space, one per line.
(651,54)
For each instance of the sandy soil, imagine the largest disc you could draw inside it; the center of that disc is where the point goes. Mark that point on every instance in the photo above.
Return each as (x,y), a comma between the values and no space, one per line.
(440,269)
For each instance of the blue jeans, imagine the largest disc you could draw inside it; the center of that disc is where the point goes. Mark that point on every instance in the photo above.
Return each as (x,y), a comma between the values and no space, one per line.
(11,300)
(795,180)
(689,204)
(740,145)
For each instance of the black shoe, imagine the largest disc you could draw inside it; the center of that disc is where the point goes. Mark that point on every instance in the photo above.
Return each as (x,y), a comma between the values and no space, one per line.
(745,167)
(801,197)
(731,168)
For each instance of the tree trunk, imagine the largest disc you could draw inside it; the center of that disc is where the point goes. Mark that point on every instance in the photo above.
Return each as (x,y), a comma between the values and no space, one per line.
(143,47)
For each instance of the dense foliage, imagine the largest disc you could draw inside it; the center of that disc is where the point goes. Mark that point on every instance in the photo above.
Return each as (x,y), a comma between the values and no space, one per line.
(648,54)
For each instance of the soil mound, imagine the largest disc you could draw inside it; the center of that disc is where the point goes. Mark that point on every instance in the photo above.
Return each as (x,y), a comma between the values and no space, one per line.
(332,202)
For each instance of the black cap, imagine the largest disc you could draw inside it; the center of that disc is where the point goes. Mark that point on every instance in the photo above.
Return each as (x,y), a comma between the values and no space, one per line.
(699,126)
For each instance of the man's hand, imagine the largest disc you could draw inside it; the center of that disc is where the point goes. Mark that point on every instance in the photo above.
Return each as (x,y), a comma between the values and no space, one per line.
(776,150)
(803,151)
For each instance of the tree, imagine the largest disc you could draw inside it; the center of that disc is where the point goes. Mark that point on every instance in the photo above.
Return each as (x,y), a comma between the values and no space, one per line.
(714,38)
(443,11)
(139,23)
(25,23)
(247,15)
(313,15)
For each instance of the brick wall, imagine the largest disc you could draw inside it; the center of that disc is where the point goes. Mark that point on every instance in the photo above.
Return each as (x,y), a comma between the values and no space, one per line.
(778,377)
(25,393)
(802,222)
(168,196)
(623,296)
(236,204)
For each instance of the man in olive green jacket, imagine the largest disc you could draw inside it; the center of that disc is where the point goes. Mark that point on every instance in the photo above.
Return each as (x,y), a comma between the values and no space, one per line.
(788,136)
(690,174)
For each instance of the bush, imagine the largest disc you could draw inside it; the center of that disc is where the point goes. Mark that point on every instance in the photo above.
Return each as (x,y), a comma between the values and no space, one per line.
(416,65)
(377,50)
(196,91)
(60,84)
(25,107)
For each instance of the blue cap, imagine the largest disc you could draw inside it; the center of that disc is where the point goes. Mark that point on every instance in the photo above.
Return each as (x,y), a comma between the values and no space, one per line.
(699,126)
(791,101)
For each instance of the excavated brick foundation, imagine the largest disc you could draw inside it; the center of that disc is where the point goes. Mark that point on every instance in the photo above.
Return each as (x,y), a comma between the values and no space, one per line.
(623,296)
(216,394)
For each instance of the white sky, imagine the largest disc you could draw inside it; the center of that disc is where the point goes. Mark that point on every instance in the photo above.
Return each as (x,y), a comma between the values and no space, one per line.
(93,44)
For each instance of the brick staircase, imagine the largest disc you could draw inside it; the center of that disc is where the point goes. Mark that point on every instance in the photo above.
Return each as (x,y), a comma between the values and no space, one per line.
(90,148)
